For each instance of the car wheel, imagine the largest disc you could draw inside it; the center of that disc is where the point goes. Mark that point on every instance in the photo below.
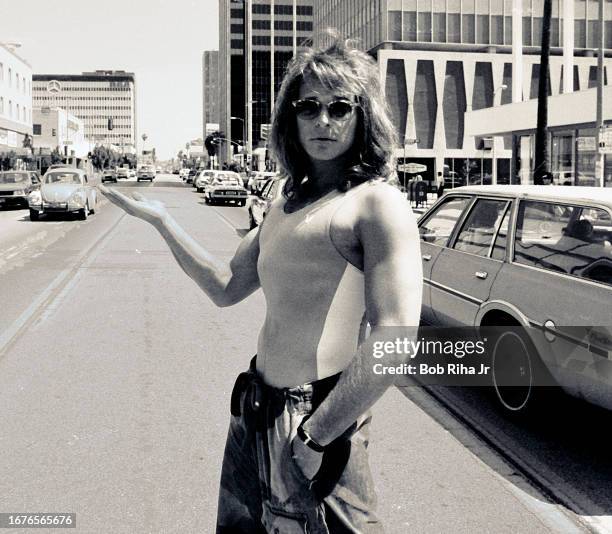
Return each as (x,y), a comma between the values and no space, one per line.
(517,373)
(84,212)
(34,215)
(242,202)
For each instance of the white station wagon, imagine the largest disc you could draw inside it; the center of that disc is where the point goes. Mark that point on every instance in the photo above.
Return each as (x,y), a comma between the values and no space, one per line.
(536,261)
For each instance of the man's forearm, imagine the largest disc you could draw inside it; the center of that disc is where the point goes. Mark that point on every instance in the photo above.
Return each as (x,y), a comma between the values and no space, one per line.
(208,272)
(356,392)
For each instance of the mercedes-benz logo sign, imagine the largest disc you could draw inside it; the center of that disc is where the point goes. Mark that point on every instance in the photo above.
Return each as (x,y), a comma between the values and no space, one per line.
(54,87)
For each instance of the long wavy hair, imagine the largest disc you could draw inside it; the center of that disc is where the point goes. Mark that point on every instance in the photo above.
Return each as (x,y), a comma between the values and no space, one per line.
(339,66)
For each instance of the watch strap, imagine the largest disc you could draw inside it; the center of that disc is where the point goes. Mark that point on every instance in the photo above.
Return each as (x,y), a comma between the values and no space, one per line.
(308,440)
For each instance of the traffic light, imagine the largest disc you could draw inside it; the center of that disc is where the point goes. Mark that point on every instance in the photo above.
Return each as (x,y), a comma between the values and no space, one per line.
(110,123)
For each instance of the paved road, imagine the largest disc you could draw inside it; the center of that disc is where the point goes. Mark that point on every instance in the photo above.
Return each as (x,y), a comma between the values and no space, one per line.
(115,375)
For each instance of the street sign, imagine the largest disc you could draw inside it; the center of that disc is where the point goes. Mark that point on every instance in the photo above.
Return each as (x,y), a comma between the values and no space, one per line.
(605,141)
(411,168)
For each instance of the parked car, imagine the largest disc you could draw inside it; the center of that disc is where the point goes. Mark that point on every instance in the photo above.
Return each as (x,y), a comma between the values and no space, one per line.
(225,187)
(204,178)
(123,173)
(191,176)
(63,191)
(258,179)
(536,262)
(183,173)
(146,172)
(109,175)
(15,186)
(59,166)
(158,170)
(260,204)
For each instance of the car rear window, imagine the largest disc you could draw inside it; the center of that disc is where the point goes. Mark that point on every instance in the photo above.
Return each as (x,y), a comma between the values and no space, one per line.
(62,177)
(574,240)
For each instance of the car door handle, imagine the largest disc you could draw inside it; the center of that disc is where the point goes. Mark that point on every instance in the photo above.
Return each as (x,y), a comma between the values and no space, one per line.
(427,257)
(481,274)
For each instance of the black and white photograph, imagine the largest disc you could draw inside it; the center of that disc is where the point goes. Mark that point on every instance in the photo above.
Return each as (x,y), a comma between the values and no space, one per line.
(306,266)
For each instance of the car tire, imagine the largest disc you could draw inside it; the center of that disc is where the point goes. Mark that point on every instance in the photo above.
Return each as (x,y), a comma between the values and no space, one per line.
(34,215)
(138,179)
(514,360)
(84,212)
(242,202)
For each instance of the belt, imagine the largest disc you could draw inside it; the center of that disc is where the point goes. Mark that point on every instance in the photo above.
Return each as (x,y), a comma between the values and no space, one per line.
(260,394)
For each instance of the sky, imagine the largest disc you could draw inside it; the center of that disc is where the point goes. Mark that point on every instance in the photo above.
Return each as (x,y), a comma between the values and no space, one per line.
(160,41)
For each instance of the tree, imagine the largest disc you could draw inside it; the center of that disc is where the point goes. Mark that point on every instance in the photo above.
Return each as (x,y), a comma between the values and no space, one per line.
(541,163)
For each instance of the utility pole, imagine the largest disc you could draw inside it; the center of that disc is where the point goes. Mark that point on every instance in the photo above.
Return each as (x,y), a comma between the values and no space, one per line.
(599,162)
(271,59)
(248,104)
(541,164)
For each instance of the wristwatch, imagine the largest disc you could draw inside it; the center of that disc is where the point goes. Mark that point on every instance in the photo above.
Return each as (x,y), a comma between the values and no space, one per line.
(307,438)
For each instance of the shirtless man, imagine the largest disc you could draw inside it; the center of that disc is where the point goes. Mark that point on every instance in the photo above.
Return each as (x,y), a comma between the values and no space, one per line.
(338,252)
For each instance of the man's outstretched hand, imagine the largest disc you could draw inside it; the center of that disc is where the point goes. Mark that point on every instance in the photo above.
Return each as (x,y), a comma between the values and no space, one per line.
(152,211)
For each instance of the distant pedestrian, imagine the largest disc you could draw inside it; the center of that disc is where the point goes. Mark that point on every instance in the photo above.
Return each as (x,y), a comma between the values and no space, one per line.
(339,250)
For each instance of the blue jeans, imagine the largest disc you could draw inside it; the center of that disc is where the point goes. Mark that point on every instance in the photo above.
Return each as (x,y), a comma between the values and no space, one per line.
(262,488)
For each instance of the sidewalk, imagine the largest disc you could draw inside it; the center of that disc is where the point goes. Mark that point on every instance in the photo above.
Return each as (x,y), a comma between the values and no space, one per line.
(434,476)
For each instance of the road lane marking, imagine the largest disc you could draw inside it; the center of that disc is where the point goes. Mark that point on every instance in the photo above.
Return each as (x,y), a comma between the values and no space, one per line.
(51,292)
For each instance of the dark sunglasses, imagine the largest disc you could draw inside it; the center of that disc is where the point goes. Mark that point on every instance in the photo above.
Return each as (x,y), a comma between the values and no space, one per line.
(311,109)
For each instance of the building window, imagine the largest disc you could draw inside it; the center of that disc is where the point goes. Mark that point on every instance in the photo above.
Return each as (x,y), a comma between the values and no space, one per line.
(281,9)
(236,28)
(1,105)
(281,40)
(10,77)
(262,40)
(304,10)
(236,13)
(259,24)
(304,25)
(1,72)
(53,133)
(236,43)
(37,129)
(395,25)
(283,25)
(261,9)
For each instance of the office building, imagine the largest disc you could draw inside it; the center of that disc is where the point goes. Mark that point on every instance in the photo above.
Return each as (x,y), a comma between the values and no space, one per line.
(442,58)
(271,32)
(100,99)
(210,89)
(56,128)
(15,101)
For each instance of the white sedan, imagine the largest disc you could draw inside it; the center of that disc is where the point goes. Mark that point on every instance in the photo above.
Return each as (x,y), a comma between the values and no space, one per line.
(63,191)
